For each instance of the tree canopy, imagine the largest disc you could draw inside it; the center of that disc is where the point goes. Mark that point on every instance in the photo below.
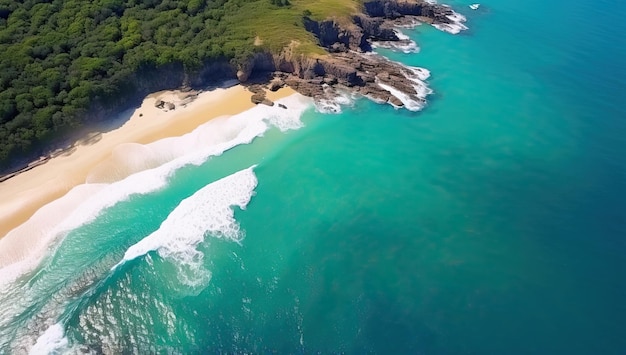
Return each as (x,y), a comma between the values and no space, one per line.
(58,57)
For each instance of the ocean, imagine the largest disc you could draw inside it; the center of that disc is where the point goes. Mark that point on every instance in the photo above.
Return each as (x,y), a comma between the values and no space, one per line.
(493,221)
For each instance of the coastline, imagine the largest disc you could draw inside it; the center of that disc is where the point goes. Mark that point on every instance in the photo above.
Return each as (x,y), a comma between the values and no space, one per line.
(94,159)
(27,192)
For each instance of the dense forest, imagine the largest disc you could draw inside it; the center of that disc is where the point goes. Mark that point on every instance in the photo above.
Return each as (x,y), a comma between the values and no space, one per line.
(58,57)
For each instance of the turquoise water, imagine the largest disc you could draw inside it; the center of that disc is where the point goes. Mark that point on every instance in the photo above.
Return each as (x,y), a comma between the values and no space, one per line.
(494,221)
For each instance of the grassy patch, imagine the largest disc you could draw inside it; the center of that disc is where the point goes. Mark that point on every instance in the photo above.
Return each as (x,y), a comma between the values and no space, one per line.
(277,26)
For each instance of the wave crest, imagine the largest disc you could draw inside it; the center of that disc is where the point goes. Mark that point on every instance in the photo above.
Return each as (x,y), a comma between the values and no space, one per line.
(209,211)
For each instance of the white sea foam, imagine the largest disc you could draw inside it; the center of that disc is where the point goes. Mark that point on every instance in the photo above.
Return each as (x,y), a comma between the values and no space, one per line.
(405,44)
(25,246)
(416,75)
(22,248)
(409,103)
(52,341)
(209,211)
(455,27)
(334,100)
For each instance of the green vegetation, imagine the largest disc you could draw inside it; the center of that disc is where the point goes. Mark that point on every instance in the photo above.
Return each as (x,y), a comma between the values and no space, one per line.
(59,57)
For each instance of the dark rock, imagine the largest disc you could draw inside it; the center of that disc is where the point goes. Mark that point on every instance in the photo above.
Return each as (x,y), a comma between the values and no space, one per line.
(367,77)
(376,29)
(257,98)
(170,106)
(392,9)
(267,102)
(159,104)
(338,47)
(383,75)
(282,106)
(256,89)
(276,84)
(330,80)
(395,101)
(340,69)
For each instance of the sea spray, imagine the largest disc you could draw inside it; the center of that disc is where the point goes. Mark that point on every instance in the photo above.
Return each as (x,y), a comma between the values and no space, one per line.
(455,27)
(24,247)
(334,100)
(417,76)
(405,44)
(86,202)
(209,211)
(52,341)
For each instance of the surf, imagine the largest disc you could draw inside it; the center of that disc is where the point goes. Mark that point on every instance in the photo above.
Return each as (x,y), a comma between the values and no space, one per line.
(151,166)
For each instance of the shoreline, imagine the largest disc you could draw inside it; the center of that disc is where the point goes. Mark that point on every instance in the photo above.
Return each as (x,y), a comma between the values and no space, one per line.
(377,78)
(30,190)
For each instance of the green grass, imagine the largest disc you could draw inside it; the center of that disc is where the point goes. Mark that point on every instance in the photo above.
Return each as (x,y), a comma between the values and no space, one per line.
(278,27)
(61,58)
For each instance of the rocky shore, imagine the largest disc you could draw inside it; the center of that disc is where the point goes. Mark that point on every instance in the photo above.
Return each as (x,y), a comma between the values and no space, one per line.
(349,66)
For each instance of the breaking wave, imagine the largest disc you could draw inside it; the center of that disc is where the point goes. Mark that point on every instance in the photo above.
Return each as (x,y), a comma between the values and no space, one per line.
(404,45)
(22,249)
(416,76)
(455,27)
(209,211)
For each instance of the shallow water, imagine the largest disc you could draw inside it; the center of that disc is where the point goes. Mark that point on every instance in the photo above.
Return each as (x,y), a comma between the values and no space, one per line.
(493,221)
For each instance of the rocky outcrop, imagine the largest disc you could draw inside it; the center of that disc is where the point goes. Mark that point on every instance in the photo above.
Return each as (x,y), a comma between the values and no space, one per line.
(258,96)
(337,38)
(370,76)
(347,67)
(391,9)
(343,67)
(321,77)
(339,67)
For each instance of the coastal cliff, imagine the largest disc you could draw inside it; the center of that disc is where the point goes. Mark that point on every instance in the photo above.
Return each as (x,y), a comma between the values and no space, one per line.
(344,66)
(347,66)
(340,63)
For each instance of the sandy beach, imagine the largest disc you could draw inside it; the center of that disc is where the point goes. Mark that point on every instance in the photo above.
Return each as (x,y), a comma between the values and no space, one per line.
(27,192)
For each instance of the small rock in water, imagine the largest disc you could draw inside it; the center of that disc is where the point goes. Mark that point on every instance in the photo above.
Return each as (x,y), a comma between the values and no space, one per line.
(282,106)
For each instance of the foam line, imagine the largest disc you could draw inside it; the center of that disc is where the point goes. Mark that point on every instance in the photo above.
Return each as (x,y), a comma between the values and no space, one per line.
(151,166)
(455,27)
(52,341)
(405,44)
(209,211)
(412,102)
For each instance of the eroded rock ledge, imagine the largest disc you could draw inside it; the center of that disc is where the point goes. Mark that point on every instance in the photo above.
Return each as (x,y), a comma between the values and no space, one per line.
(350,67)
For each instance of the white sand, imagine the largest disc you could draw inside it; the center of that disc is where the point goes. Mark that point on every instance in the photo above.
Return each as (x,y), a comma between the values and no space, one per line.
(27,192)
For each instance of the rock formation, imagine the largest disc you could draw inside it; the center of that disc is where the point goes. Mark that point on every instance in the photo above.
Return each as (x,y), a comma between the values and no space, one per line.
(348,66)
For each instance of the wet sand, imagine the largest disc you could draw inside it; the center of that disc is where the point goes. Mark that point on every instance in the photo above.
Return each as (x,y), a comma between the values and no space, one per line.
(27,192)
